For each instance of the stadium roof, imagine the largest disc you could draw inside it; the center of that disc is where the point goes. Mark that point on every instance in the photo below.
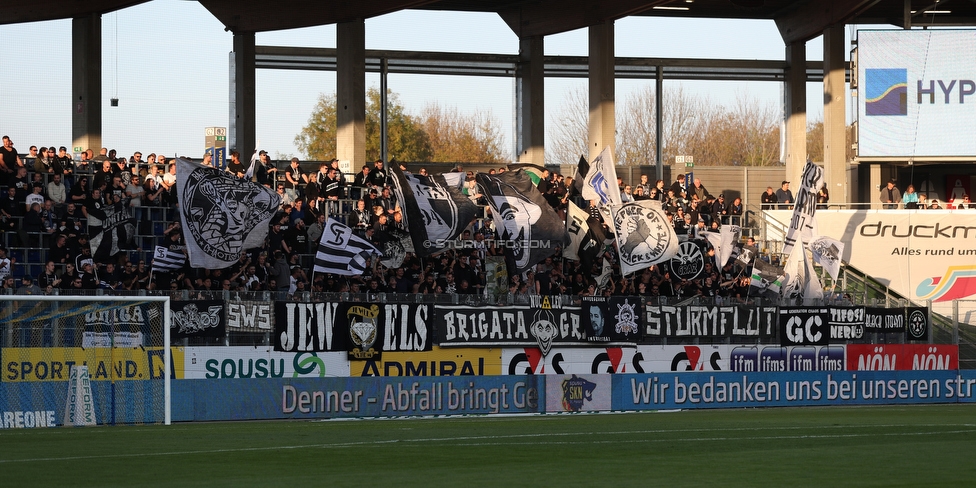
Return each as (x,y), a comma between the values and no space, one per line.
(797,20)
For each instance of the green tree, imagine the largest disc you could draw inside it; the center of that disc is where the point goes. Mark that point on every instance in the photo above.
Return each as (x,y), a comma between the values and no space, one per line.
(406,140)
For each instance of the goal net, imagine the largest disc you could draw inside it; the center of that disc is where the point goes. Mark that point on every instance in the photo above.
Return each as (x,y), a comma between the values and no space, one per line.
(122,341)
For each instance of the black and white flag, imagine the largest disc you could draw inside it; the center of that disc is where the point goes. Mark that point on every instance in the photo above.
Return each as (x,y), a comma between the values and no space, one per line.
(827,252)
(802,223)
(529,225)
(165,260)
(644,235)
(118,227)
(600,182)
(585,234)
(222,215)
(434,211)
(341,252)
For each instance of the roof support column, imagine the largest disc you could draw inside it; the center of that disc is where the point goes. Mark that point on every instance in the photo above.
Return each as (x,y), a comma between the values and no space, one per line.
(602,127)
(86,83)
(351,92)
(242,134)
(835,115)
(530,102)
(796,110)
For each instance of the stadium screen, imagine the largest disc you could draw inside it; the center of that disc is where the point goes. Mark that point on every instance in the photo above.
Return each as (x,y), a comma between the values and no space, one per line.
(917,93)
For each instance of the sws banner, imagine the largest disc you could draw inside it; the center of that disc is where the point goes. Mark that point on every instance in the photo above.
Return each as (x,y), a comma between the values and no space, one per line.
(197,318)
(612,320)
(804,326)
(249,316)
(544,322)
(709,321)
(362,329)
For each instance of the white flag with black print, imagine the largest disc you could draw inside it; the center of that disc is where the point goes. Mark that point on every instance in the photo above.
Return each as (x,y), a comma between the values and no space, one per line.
(600,182)
(165,260)
(827,252)
(644,235)
(341,252)
(802,223)
(223,216)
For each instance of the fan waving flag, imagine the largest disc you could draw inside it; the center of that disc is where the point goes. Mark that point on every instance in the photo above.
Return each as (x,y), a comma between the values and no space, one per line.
(118,227)
(531,229)
(600,182)
(222,216)
(434,211)
(341,252)
(165,260)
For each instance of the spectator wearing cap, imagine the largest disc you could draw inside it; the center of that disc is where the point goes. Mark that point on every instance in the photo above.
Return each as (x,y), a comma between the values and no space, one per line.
(265,172)
(720,207)
(36,196)
(207,160)
(784,197)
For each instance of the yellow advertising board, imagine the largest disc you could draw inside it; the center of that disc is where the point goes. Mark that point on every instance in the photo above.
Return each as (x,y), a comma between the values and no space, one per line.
(451,361)
(104,363)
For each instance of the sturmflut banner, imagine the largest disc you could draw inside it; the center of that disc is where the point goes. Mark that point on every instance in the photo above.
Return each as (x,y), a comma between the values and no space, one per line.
(710,321)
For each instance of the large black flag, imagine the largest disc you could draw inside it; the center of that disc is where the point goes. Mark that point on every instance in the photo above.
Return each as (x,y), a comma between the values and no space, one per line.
(526,224)
(118,227)
(434,211)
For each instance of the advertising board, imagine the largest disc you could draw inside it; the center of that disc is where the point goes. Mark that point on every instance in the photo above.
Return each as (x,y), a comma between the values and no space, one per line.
(916,93)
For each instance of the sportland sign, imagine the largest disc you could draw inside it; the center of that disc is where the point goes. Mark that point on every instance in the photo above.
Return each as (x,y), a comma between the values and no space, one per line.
(921,254)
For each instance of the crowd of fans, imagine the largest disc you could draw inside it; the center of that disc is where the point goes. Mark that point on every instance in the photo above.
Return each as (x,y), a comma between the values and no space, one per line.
(48,193)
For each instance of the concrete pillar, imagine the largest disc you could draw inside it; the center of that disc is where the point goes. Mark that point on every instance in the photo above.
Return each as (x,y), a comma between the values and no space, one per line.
(874,186)
(351,92)
(796,112)
(835,115)
(602,123)
(243,129)
(530,107)
(86,83)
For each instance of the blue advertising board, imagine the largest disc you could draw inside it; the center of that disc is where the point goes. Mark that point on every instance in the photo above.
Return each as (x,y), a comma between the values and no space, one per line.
(310,398)
(664,391)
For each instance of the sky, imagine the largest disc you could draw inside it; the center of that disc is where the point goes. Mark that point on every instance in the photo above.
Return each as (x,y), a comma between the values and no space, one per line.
(167,61)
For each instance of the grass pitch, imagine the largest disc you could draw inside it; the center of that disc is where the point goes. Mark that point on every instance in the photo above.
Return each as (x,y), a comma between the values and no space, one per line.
(877,446)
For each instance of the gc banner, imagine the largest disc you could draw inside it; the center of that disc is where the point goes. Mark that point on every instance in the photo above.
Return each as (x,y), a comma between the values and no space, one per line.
(198,318)
(709,321)
(804,326)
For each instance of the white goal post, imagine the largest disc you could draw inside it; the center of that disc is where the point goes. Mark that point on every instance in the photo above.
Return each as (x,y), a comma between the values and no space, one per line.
(119,338)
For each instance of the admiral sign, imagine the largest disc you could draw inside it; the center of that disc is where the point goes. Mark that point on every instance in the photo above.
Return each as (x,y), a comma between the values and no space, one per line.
(543,323)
